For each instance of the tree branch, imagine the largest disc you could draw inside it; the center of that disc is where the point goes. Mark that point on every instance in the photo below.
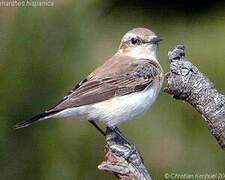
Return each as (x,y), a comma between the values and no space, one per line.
(122,159)
(187,83)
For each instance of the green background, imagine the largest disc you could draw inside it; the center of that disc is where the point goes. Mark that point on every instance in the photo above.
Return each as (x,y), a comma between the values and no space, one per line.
(44,51)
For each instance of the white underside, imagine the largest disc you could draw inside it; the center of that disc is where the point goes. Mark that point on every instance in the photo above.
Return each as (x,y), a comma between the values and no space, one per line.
(116,110)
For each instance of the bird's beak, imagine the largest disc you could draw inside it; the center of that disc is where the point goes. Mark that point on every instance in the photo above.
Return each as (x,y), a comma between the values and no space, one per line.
(155,40)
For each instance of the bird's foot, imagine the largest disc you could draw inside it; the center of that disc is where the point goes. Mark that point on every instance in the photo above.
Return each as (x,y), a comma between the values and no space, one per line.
(128,150)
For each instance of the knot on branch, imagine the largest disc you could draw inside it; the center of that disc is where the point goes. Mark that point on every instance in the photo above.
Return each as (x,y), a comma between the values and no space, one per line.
(177,53)
(181,73)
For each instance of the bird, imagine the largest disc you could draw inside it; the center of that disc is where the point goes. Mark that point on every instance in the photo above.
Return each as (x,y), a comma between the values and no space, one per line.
(125,86)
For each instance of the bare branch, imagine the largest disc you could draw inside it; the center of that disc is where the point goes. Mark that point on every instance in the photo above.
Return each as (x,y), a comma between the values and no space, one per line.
(186,82)
(122,159)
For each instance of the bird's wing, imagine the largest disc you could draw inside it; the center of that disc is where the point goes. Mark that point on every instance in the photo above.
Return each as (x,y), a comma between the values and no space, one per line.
(100,88)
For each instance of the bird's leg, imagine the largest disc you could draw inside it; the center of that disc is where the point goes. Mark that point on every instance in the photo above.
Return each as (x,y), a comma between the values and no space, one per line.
(97,127)
(118,132)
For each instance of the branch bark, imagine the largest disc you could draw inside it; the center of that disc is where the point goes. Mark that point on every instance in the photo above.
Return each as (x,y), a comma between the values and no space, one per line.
(187,83)
(122,158)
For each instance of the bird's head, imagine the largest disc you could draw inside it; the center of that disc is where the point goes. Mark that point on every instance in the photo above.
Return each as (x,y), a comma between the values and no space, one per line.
(140,43)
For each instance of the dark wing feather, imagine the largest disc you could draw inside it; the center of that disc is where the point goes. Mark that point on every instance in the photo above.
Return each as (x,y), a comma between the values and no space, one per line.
(34,119)
(103,88)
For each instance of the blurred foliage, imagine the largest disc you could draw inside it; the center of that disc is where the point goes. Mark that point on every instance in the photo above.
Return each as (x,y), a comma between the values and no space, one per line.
(45,50)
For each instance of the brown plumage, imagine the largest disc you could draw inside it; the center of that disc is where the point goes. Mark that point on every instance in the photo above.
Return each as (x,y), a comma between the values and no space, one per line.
(109,81)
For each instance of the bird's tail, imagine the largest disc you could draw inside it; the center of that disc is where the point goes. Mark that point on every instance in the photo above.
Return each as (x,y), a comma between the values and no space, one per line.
(34,119)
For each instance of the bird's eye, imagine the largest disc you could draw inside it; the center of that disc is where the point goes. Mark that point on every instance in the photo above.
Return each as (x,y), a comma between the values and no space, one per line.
(135,41)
